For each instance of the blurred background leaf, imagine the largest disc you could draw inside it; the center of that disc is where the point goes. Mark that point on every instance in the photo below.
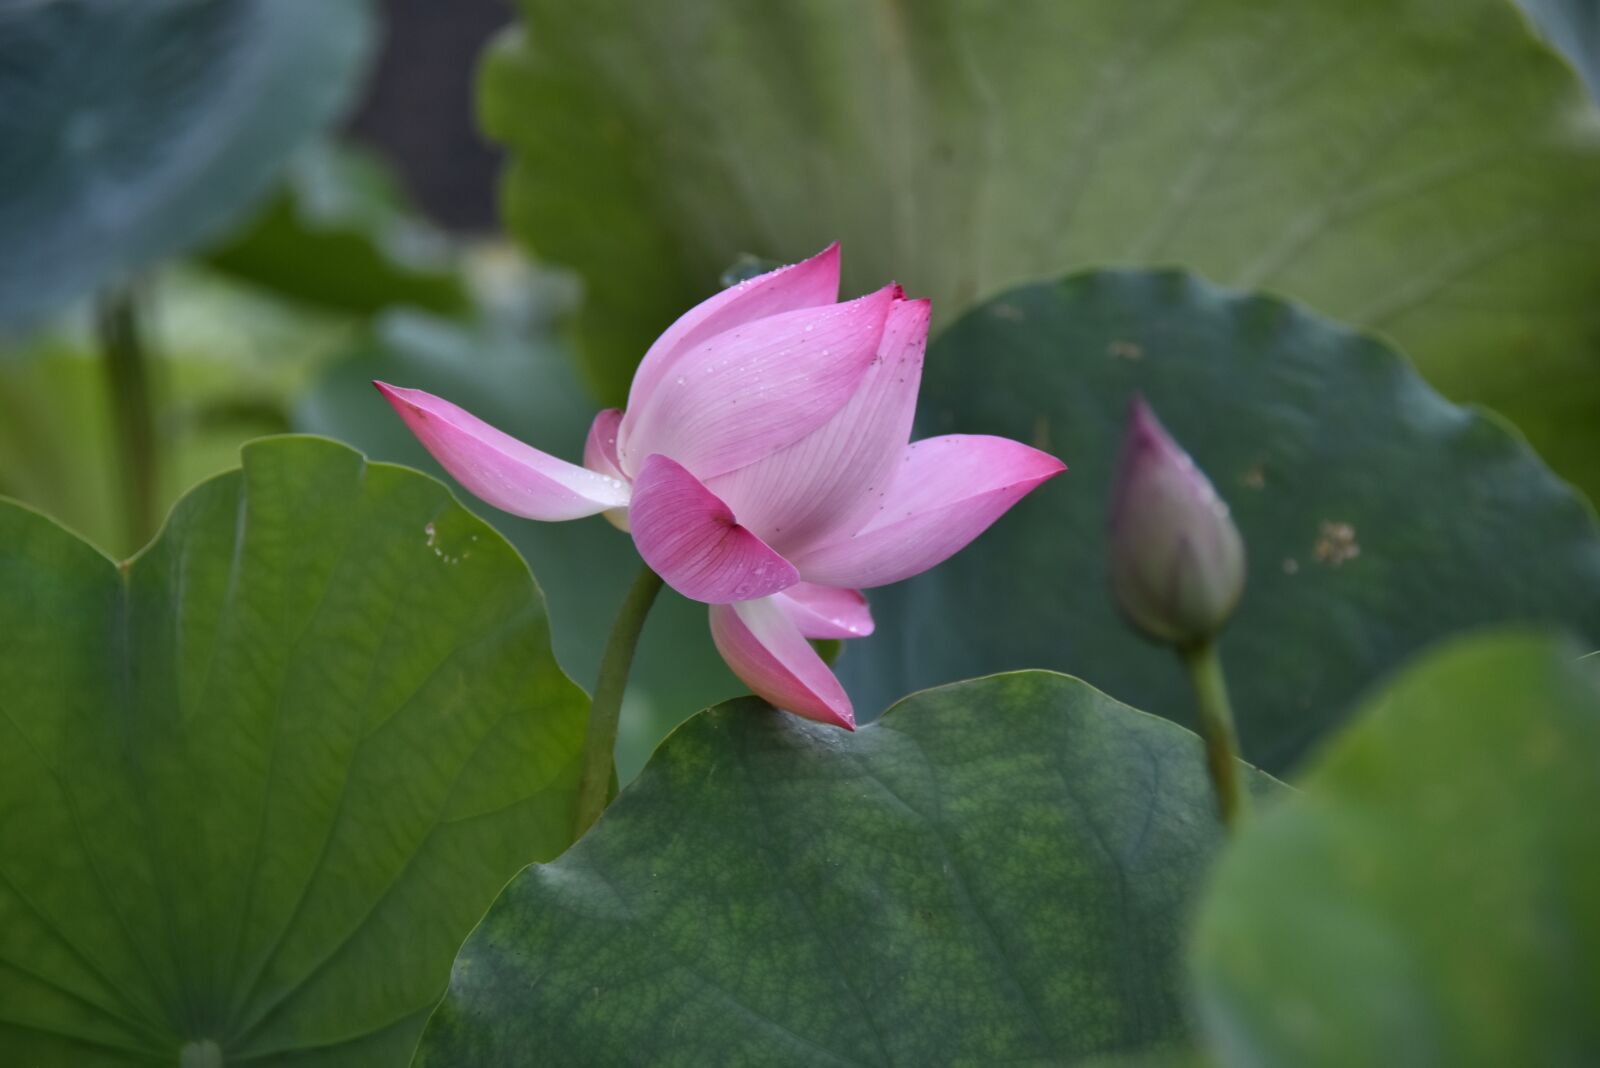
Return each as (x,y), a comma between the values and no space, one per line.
(1377,516)
(228,360)
(230,338)
(1433,896)
(1424,168)
(338,234)
(1573,28)
(132,132)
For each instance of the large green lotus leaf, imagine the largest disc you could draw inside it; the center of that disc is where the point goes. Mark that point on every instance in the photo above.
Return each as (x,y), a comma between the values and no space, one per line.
(258,783)
(339,235)
(133,131)
(998,871)
(1377,516)
(1433,897)
(1421,167)
(522,382)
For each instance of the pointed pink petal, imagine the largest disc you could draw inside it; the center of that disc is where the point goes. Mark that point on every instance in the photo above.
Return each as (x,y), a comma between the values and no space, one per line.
(826,611)
(834,474)
(600,449)
(692,540)
(600,454)
(768,653)
(750,391)
(807,284)
(946,492)
(500,469)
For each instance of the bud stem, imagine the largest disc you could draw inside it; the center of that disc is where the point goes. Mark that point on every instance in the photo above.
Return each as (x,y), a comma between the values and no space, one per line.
(605,710)
(131,398)
(1216,727)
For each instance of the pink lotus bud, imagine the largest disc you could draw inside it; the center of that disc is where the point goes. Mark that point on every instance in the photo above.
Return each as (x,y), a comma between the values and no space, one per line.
(1177,561)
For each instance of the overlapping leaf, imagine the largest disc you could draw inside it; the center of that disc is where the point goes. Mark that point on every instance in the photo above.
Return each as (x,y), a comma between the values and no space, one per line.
(338,235)
(1377,516)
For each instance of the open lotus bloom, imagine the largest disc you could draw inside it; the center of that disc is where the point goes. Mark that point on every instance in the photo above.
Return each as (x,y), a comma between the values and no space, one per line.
(764,466)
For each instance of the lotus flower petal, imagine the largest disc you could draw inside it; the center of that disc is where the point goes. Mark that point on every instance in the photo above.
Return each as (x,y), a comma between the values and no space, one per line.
(807,284)
(600,449)
(600,454)
(500,469)
(835,472)
(947,491)
(826,611)
(749,391)
(691,539)
(769,654)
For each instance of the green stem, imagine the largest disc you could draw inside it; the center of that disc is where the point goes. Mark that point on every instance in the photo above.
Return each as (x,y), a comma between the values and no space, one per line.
(1216,726)
(127,368)
(605,711)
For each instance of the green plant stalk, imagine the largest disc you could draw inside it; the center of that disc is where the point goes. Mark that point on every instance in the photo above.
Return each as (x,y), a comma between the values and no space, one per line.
(131,401)
(1216,727)
(605,710)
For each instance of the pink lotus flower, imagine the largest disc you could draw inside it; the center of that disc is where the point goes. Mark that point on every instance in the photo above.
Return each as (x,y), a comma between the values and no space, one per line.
(763,466)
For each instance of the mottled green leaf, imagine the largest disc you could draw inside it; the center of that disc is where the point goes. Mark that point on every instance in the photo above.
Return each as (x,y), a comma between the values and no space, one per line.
(258,783)
(1377,517)
(133,131)
(996,872)
(1422,167)
(1433,897)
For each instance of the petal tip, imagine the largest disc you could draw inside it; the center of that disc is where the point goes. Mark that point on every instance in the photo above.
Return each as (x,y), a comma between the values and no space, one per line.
(1144,428)
(888,294)
(1039,466)
(825,263)
(820,709)
(401,399)
(498,468)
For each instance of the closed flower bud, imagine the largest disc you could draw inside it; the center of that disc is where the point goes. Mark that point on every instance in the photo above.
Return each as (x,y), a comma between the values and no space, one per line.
(1177,561)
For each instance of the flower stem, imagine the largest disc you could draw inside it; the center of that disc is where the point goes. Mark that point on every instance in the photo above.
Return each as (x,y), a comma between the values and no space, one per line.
(605,711)
(127,369)
(1216,727)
